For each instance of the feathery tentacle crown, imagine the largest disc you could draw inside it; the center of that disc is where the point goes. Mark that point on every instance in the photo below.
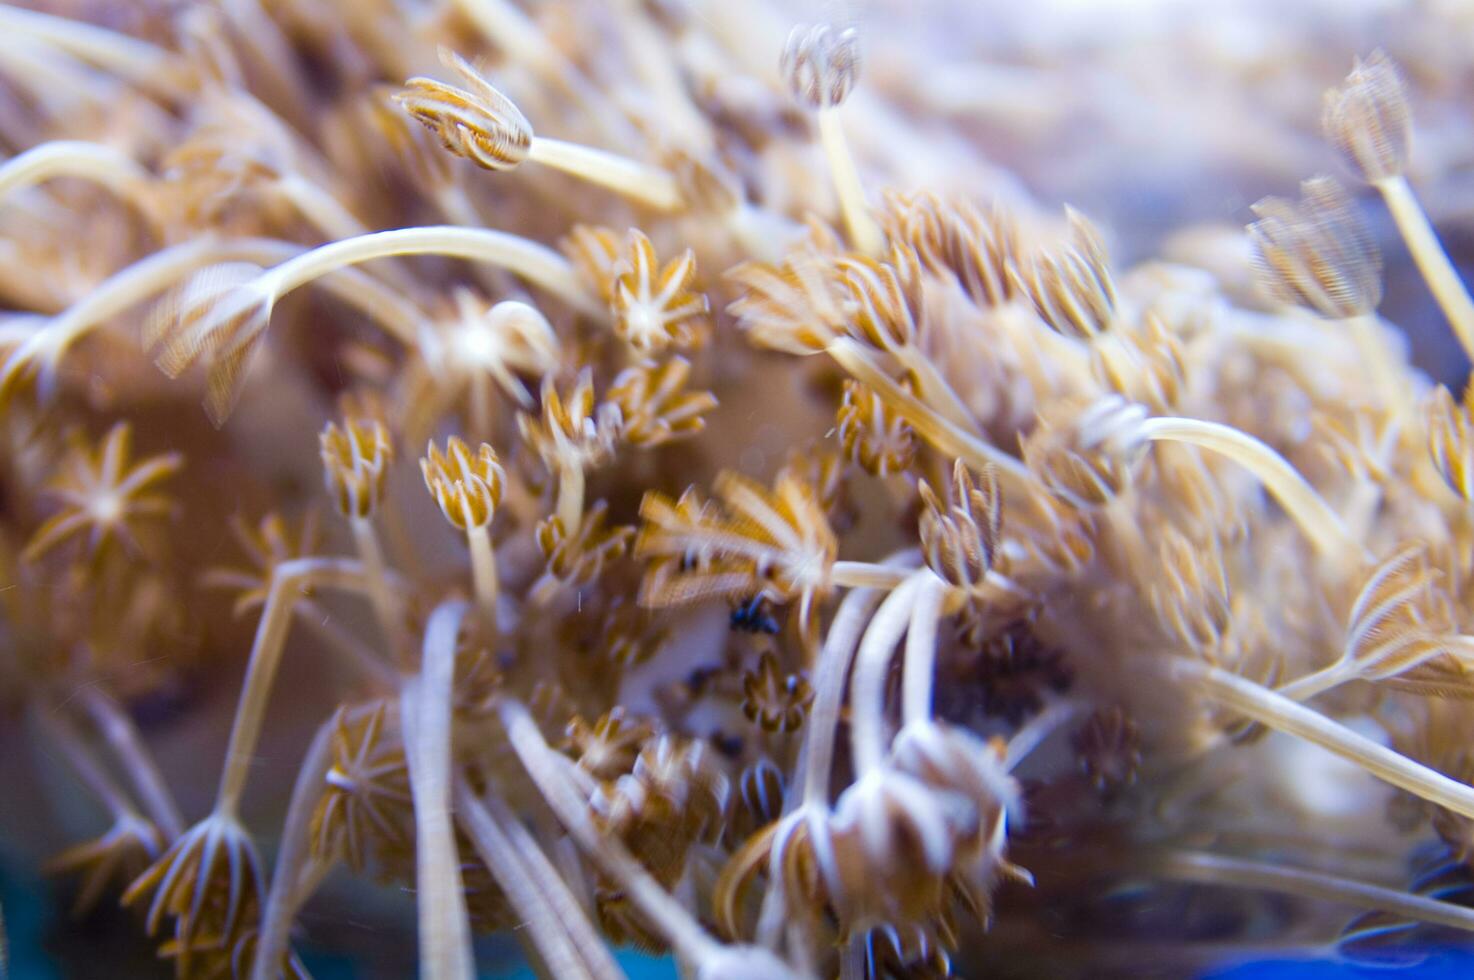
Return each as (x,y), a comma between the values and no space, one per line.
(654,306)
(1071,286)
(1317,253)
(476,122)
(1451,439)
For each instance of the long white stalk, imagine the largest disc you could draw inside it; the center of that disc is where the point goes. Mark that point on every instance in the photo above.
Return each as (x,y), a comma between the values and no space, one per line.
(872,664)
(1306,508)
(816,754)
(863,231)
(289,581)
(532,261)
(1215,869)
(641,182)
(96,162)
(425,709)
(1279,713)
(685,935)
(143,772)
(284,897)
(919,666)
(553,943)
(566,906)
(1433,262)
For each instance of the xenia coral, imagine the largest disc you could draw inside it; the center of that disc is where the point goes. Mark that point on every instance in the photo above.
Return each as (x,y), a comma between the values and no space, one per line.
(814,573)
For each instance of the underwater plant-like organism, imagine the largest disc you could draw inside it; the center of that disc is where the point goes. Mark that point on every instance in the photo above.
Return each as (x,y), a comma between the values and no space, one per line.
(847,577)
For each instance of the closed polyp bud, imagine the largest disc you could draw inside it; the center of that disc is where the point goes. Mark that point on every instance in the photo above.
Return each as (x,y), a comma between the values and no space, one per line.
(355,460)
(1366,118)
(467,487)
(821,64)
(960,542)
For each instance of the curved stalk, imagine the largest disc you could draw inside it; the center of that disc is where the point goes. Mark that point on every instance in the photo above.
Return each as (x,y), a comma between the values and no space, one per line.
(150,276)
(322,210)
(1299,499)
(425,707)
(816,754)
(127,288)
(1215,869)
(536,263)
(1281,714)
(1317,682)
(872,663)
(96,162)
(152,68)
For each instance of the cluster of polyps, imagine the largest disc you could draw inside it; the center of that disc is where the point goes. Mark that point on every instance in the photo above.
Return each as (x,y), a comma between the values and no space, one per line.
(1065,548)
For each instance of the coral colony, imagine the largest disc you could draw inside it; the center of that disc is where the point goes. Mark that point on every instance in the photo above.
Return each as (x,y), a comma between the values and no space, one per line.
(1069,590)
